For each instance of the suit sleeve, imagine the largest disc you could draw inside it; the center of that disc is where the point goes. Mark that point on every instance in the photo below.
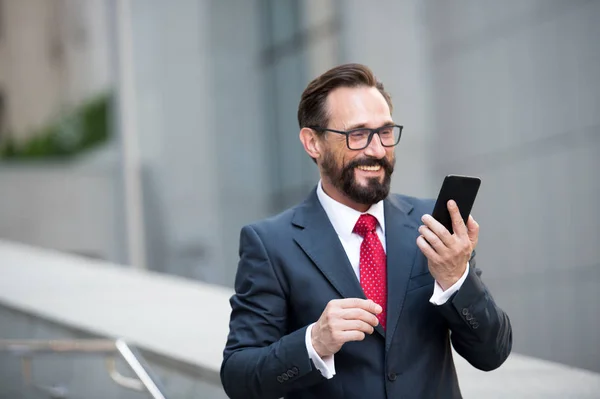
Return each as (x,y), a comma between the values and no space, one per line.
(261,359)
(480,330)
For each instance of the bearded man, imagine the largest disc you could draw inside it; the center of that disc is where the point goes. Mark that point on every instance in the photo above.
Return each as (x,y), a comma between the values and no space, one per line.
(356,292)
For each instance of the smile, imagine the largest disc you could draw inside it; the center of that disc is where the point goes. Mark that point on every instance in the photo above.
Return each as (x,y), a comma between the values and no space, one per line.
(374,168)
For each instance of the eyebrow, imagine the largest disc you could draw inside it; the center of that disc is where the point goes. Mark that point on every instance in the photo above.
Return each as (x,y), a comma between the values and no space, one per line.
(364,125)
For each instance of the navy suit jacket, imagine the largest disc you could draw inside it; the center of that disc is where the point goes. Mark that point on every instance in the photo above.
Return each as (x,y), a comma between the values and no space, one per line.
(293,264)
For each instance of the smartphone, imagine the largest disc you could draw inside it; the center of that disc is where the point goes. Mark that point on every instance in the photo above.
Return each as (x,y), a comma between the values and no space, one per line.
(461,189)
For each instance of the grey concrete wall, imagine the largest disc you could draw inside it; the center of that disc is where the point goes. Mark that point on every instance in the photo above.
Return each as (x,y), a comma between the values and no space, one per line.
(390,38)
(198,84)
(176,120)
(217,122)
(516,100)
(242,149)
(509,91)
(66,206)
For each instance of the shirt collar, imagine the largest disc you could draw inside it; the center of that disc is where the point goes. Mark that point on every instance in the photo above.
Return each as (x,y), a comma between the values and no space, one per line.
(343,218)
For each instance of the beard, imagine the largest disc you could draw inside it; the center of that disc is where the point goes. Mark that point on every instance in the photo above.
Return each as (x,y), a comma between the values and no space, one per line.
(344,179)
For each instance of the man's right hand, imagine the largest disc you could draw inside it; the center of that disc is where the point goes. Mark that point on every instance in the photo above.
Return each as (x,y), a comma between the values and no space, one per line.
(343,320)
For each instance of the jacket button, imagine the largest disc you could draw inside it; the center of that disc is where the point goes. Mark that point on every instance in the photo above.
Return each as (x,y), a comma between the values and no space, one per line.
(295,370)
(465,311)
(475,325)
(279,379)
(392,376)
(285,377)
(290,373)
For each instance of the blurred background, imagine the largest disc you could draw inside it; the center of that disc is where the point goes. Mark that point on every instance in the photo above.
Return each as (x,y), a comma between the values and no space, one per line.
(146,133)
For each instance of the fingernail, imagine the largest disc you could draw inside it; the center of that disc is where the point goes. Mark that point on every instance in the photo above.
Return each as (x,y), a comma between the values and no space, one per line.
(424,217)
(452,203)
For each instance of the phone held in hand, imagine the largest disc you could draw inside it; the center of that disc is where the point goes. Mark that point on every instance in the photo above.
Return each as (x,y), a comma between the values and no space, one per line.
(461,189)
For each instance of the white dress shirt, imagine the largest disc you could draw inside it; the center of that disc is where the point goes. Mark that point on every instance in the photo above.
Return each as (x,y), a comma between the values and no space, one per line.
(343,219)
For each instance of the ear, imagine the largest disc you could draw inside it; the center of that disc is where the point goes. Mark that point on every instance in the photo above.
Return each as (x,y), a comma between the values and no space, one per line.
(310,141)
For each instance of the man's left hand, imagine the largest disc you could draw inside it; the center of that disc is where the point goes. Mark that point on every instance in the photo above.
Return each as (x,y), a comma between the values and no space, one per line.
(448,254)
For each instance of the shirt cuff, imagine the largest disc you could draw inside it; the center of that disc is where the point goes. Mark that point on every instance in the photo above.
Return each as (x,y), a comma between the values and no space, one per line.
(325,365)
(440,296)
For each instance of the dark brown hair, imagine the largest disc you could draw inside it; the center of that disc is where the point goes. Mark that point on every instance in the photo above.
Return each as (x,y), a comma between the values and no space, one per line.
(312,108)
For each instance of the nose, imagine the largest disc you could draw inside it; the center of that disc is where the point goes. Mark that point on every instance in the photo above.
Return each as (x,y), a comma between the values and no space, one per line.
(375,149)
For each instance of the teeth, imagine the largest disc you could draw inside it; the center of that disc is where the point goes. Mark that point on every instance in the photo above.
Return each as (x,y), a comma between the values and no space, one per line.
(370,168)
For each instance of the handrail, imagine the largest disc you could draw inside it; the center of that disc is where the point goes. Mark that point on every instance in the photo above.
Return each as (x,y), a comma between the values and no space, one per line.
(26,349)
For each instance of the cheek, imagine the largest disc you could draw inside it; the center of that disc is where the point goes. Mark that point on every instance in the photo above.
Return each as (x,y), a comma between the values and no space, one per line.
(391,154)
(334,159)
(346,159)
(341,157)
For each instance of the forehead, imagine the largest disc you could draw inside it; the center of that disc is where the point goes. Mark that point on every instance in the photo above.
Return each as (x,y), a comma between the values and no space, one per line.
(352,106)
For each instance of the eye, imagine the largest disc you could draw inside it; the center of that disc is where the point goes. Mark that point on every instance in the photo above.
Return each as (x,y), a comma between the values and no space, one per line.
(359,134)
(387,131)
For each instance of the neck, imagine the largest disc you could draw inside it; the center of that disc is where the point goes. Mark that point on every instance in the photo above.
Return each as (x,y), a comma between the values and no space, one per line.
(340,197)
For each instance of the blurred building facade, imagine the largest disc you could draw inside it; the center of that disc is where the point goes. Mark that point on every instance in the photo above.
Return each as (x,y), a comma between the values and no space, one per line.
(53,55)
(508,91)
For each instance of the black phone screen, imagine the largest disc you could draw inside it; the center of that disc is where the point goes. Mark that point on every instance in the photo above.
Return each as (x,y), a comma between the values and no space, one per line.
(461,189)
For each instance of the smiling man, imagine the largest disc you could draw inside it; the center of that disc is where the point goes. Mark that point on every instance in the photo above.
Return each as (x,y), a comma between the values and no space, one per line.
(356,292)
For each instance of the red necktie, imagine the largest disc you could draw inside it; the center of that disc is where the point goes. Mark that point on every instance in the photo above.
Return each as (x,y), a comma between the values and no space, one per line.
(373,274)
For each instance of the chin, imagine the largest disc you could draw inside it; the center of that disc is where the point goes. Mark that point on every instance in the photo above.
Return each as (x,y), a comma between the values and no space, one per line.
(367,182)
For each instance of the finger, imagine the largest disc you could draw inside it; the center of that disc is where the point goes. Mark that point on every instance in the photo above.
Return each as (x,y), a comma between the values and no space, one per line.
(427,250)
(438,229)
(458,225)
(356,325)
(353,335)
(432,239)
(361,315)
(472,225)
(360,303)
(473,230)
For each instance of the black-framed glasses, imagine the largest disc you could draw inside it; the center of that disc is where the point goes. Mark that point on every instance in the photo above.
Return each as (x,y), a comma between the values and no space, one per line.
(358,139)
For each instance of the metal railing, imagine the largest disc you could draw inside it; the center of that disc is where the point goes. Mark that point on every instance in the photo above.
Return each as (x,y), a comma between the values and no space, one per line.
(27,349)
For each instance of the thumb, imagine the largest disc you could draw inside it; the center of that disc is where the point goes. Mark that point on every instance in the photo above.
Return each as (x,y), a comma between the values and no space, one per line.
(472,230)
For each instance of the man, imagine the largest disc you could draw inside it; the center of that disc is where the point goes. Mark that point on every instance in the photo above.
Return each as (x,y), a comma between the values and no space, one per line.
(356,293)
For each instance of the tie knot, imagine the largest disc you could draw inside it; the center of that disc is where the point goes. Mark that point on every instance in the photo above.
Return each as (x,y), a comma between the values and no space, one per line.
(366,224)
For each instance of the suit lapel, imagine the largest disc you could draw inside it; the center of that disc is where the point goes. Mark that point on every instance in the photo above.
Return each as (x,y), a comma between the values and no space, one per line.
(401,249)
(318,239)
